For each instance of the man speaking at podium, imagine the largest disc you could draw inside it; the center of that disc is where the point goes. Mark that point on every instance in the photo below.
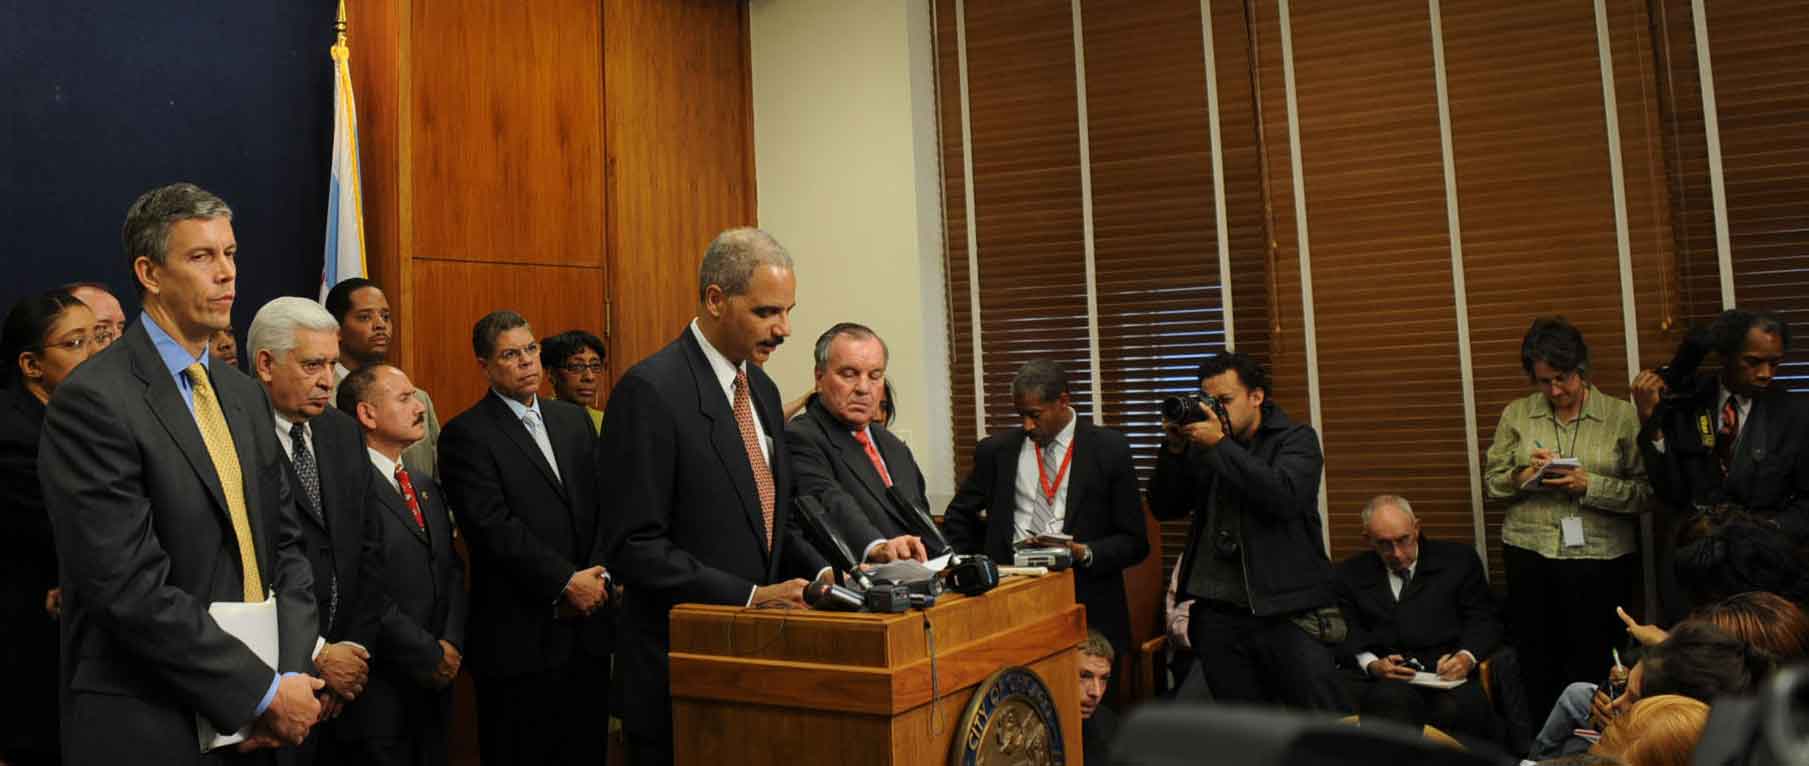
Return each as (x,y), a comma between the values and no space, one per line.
(694,461)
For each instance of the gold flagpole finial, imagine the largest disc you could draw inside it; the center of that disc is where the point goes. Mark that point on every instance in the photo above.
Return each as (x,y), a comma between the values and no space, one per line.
(339,25)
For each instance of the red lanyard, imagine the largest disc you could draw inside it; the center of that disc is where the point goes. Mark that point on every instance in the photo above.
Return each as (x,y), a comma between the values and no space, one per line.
(1042,474)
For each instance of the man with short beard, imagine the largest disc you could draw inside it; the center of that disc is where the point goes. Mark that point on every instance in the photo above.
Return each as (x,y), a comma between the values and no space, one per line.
(365,332)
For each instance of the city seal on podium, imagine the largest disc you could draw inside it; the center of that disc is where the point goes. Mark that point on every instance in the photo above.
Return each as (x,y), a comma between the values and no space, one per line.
(1010,722)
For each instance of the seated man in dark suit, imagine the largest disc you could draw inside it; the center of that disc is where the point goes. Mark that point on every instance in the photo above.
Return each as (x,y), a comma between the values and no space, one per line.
(849,461)
(1098,724)
(520,477)
(1416,605)
(1737,442)
(1056,474)
(405,714)
(292,345)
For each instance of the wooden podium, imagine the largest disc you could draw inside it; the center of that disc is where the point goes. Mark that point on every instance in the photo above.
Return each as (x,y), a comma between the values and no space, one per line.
(764,686)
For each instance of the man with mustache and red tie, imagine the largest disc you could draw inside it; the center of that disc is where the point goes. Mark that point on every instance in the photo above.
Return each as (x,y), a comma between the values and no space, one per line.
(694,456)
(405,714)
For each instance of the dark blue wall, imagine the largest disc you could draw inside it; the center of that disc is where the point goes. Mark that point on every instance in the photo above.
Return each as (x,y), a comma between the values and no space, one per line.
(107,98)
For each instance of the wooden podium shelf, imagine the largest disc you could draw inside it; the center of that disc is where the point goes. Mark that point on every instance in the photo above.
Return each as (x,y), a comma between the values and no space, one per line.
(762,686)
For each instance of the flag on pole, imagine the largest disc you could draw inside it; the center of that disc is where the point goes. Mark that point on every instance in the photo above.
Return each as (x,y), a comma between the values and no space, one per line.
(345,195)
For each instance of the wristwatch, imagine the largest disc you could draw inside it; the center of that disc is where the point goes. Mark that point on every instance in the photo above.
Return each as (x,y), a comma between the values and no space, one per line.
(1086,555)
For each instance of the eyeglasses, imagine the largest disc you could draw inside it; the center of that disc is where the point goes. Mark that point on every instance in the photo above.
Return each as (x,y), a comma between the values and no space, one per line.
(73,344)
(104,335)
(513,355)
(594,368)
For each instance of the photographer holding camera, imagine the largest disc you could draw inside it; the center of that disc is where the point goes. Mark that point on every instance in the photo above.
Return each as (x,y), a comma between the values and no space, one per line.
(1732,441)
(1255,564)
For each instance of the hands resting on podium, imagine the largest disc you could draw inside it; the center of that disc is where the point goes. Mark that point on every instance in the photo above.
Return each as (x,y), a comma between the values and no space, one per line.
(899,548)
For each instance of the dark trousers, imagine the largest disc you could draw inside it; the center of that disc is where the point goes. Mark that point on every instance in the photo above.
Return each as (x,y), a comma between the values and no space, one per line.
(558,716)
(1460,711)
(1261,660)
(1561,615)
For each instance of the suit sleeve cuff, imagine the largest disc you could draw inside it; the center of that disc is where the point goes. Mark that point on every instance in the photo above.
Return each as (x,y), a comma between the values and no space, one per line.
(750,595)
(270,695)
(867,552)
(320,642)
(1474,663)
(1363,660)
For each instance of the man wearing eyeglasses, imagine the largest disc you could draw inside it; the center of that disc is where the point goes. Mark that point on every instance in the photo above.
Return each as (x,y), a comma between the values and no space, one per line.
(109,318)
(520,477)
(365,331)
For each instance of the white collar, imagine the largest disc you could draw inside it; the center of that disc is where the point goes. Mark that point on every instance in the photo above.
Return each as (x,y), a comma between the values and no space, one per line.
(521,410)
(284,426)
(724,369)
(384,465)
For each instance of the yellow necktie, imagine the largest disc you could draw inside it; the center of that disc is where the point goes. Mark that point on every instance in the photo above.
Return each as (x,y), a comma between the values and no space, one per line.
(226,463)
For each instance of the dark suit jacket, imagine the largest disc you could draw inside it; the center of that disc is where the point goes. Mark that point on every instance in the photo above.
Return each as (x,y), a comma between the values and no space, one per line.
(146,544)
(28,563)
(1770,471)
(425,579)
(1103,511)
(528,531)
(344,542)
(834,468)
(1445,607)
(684,523)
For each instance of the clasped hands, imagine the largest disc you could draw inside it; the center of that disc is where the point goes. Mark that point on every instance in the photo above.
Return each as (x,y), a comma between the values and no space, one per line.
(586,592)
(1572,480)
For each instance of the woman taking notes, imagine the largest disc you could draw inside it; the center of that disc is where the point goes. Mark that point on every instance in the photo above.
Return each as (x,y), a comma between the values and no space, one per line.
(1565,459)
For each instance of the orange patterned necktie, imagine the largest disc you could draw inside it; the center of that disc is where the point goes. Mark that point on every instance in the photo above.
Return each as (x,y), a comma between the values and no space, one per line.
(750,439)
(218,438)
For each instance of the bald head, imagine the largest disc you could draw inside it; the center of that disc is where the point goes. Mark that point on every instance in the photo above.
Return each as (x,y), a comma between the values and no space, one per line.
(1391,528)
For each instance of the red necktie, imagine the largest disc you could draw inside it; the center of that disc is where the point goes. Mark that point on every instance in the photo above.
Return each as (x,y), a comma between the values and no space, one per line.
(750,439)
(1730,433)
(873,455)
(408,496)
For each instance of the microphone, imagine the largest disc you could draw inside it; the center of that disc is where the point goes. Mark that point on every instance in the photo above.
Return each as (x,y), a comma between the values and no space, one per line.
(917,520)
(832,598)
(824,538)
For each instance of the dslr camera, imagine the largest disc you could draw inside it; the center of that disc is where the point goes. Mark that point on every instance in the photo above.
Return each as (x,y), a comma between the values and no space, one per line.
(1192,407)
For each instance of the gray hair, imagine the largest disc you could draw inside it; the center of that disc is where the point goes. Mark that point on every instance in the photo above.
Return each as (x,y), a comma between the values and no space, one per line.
(146,233)
(1381,501)
(849,329)
(1045,378)
(274,327)
(734,255)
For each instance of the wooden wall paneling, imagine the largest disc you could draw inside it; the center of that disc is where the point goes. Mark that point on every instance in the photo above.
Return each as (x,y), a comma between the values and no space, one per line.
(548,296)
(508,145)
(1381,266)
(678,151)
(1534,192)
(374,33)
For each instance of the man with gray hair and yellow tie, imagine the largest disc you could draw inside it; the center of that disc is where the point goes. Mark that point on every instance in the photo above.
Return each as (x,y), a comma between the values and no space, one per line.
(167,496)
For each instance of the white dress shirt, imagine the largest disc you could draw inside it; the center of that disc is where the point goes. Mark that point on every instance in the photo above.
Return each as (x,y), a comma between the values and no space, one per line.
(1030,497)
(385,466)
(725,376)
(283,425)
(538,432)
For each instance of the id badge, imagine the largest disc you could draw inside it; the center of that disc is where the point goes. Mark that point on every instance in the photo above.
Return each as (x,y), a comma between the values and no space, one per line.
(1573,531)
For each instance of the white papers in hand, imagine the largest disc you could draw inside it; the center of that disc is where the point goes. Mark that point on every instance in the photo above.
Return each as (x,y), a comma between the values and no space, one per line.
(255,625)
(1432,681)
(939,563)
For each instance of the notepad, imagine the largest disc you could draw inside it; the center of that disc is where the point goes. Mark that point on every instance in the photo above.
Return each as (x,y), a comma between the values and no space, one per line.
(255,625)
(1557,467)
(1432,681)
